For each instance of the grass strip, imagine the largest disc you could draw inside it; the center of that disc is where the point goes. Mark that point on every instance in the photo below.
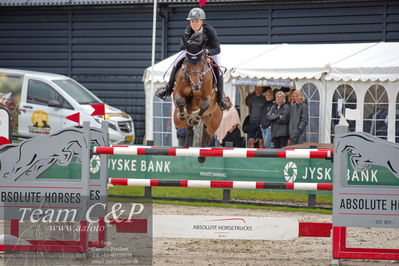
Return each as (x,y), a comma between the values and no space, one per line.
(224,205)
(217,194)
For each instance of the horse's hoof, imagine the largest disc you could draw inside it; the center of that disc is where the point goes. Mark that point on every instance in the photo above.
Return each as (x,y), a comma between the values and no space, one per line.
(201,159)
(191,122)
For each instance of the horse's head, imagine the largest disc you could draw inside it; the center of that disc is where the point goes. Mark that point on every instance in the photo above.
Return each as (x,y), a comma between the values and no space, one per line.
(194,55)
(194,47)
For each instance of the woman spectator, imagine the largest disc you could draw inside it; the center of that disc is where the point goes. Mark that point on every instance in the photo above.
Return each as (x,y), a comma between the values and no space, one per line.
(266,124)
(229,128)
(290,99)
(298,118)
(279,115)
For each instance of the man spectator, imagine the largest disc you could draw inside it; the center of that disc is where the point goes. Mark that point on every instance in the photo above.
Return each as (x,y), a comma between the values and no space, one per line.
(255,103)
(265,123)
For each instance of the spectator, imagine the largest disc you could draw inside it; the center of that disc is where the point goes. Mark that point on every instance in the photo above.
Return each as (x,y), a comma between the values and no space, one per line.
(299,118)
(290,99)
(255,102)
(279,114)
(265,123)
(181,136)
(229,128)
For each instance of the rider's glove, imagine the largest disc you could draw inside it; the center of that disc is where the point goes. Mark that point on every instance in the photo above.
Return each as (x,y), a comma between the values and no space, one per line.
(206,51)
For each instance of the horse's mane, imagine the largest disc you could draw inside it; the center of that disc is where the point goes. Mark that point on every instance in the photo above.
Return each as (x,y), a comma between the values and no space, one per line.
(198,38)
(194,47)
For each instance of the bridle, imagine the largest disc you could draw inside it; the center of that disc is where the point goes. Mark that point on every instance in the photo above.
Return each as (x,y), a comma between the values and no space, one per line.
(201,74)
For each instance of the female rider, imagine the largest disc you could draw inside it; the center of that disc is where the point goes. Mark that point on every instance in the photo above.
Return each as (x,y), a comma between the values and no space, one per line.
(196,16)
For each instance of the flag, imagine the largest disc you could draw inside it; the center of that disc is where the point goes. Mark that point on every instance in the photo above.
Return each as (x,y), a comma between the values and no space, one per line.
(74,117)
(99,109)
(202,2)
(4,140)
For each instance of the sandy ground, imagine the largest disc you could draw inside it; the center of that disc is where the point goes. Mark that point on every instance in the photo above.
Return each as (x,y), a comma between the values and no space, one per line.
(301,251)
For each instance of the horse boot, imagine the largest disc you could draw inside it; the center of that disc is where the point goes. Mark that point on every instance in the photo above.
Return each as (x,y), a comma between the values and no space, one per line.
(221,101)
(167,90)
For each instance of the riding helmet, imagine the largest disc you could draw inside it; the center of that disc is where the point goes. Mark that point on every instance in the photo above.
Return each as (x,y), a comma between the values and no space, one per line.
(196,13)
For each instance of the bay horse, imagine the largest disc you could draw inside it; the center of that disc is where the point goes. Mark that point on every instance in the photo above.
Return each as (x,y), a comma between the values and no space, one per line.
(194,95)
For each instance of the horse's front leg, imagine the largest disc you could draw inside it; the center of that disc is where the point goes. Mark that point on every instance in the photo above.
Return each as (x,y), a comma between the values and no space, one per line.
(180,103)
(195,119)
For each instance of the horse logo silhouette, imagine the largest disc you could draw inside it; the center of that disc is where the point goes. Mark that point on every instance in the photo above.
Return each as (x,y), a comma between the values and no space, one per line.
(32,157)
(369,150)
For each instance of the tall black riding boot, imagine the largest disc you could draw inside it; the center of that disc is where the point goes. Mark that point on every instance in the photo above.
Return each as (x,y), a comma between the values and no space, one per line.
(221,101)
(166,91)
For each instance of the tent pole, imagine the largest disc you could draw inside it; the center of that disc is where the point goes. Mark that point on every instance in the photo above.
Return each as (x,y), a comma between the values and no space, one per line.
(154,37)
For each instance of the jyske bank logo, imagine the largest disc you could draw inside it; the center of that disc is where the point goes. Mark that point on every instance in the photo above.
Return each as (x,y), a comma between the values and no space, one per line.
(95,164)
(290,172)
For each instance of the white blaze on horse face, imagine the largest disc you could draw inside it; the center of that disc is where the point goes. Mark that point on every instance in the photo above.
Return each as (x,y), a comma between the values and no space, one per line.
(196,76)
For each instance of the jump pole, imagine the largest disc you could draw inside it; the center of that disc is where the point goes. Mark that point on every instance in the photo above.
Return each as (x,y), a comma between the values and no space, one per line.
(217,152)
(219,184)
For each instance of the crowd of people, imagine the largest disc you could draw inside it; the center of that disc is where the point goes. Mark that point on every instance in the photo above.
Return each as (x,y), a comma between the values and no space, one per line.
(276,119)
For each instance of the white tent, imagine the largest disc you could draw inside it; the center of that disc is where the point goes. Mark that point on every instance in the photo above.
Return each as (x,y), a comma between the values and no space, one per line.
(324,66)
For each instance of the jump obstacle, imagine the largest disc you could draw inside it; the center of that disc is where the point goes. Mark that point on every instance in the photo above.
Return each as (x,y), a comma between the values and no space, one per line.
(219,184)
(217,152)
(339,231)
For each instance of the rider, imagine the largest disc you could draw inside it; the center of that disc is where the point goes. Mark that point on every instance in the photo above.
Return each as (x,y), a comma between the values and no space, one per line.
(196,16)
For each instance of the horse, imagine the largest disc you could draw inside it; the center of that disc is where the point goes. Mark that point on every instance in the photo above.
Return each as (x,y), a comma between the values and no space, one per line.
(194,96)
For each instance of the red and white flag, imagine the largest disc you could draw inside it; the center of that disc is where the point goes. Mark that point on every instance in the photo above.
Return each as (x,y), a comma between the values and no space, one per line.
(99,109)
(74,117)
(4,140)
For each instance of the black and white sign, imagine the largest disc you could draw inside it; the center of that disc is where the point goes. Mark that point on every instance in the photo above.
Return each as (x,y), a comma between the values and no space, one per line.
(360,205)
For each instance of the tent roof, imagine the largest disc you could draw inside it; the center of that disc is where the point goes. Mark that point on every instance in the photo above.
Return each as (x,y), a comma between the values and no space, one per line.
(356,61)
(296,61)
(379,62)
